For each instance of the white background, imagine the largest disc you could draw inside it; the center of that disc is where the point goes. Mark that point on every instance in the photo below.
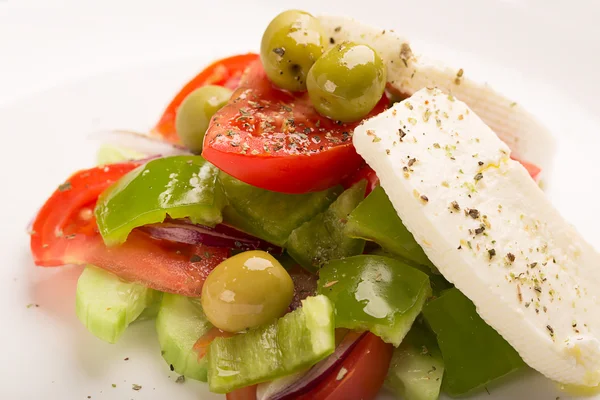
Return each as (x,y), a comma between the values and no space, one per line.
(95,65)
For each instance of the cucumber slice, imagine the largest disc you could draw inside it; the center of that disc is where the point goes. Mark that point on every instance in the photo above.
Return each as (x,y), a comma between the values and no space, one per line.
(294,342)
(106,305)
(322,238)
(151,312)
(179,324)
(417,366)
(268,215)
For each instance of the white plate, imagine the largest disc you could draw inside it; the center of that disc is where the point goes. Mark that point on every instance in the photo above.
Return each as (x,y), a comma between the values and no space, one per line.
(67,70)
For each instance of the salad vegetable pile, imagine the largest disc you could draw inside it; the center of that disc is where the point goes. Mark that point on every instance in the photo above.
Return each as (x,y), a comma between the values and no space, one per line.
(274,262)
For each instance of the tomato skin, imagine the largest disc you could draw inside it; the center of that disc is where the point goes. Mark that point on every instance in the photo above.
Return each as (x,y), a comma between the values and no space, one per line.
(293,174)
(202,344)
(276,140)
(533,170)
(70,211)
(366,367)
(65,232)
(225,72)
(364,172)
(247,393)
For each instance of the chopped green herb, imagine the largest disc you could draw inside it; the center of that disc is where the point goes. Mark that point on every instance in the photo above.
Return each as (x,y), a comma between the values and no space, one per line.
(64,187)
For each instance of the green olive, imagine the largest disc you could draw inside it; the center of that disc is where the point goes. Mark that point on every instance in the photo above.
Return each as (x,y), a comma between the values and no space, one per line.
(347,82)
(293,41)
(195,112)
(245,291)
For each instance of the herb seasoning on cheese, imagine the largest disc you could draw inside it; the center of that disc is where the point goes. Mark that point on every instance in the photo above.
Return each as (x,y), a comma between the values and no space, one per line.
(529,273)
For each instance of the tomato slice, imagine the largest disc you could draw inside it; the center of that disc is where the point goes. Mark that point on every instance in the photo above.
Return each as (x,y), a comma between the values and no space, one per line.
(65,232)
(533,170)
(360,375)
(225,72)
(276,140)
(364,172)
(202,344)
(246,393)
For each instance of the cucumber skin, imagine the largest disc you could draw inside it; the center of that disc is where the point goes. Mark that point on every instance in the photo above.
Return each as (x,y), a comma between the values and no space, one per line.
(106,305)
(417,367)
(179,324)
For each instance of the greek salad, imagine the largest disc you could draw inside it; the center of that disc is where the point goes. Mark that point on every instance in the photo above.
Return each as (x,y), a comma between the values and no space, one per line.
(332,216)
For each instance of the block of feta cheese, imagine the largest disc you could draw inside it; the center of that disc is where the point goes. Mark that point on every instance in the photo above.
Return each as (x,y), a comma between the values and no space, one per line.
(490,230)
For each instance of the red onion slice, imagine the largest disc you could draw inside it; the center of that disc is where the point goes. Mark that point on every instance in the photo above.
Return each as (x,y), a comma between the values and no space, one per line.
(140,142)
(219,236)
(288,389)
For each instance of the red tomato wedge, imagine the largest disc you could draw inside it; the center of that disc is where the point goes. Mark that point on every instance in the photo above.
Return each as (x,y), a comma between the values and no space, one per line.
(360,375)
(276,140)
(225,72)
(65,232)
(364,172)
(247,393)
(533,170)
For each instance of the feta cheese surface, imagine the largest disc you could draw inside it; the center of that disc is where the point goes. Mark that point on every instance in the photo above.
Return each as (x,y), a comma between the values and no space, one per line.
(490,230)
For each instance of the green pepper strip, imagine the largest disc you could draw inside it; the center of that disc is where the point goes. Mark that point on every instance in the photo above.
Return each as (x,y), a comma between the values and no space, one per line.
(474,353)
(268,215)
(375,219)
(438,282)
(375,293)
(322,238)
(178,187)
(294,342)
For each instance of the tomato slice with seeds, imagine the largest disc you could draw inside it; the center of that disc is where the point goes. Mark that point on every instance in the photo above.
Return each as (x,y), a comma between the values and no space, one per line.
(226,72)
(276,140)
(65,232)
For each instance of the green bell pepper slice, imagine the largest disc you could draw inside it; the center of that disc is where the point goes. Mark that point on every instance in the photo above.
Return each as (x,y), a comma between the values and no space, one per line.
(178,187)
(375,219)
(322,238)
(437,281)
(268,215)
(375,293)
(288,345)
(474,353)
(417,366)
